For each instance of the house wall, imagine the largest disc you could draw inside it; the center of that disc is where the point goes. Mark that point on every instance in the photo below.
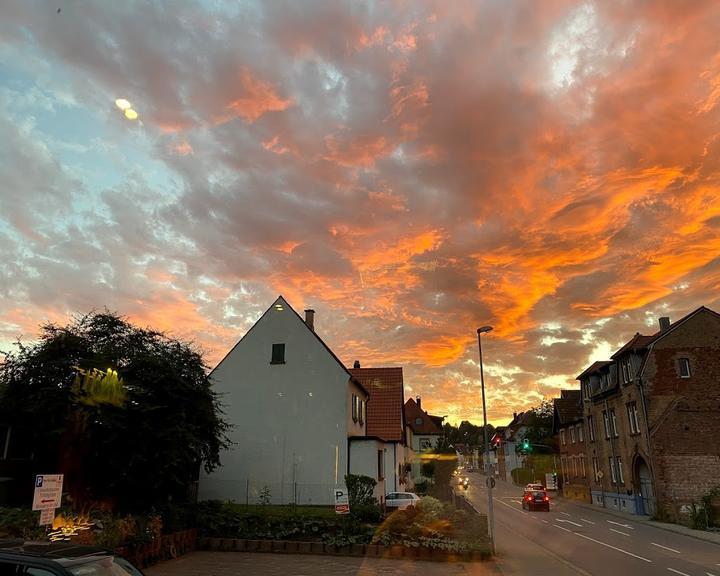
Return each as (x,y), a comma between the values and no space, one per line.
(355,427)
(289,420)
(684,413)
(364,461)
(575,480)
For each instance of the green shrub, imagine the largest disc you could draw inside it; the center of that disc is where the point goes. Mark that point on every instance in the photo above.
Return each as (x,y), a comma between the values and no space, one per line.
(20,523)
(361,489)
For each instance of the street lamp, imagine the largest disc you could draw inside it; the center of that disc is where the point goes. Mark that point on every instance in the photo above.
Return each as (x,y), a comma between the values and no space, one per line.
(489,480)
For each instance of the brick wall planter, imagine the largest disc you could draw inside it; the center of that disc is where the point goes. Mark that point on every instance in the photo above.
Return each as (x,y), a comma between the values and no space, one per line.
(164,548)
(372,550)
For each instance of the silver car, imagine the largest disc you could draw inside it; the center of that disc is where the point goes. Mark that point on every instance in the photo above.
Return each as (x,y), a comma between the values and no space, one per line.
(400,500)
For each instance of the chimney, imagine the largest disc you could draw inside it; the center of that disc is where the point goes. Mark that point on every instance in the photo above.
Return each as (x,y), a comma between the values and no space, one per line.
(417,400)
(514,415)
(310,319)
(356,364)
(664,323)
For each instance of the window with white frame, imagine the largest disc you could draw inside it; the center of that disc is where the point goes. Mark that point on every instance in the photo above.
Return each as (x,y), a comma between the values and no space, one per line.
(633,418)
(596,468)
(606,423)
(582,466)
(591,428)
(613,477)
(613,421)
(580,433)
(574,466)
(361,411)
(684,367)
(562,436)
(572,434)
(620,470)
(354,408)
(624,369)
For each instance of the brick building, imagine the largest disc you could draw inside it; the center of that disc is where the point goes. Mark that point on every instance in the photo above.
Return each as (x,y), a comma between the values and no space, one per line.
(568,427)
(652,417)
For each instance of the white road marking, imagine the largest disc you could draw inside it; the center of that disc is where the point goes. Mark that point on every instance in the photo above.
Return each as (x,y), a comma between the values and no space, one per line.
(566,514)
(613,547)
(570,522)
(666,548)
(620,524)
(566,530)
(588,521)
(546,522)
(709,574)
(518,501)
(618,531)
(678,572)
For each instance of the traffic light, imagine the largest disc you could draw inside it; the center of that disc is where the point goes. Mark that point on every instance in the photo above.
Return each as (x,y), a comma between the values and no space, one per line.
(526,445)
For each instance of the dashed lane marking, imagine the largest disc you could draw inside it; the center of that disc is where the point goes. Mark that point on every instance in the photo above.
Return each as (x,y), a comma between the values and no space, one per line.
(588,521)
(678,572)
(666,548)
(561,512)
(613,547)
(570,522)
(618,532)
(621,524)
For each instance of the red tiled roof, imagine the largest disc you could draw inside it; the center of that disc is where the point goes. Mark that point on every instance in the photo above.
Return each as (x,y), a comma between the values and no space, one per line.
(385,405)
(568,407)
(427,424)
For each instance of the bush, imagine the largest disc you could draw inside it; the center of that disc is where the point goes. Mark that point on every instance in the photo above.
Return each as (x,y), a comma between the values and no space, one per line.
(361,489)
(20,523)
(428,469)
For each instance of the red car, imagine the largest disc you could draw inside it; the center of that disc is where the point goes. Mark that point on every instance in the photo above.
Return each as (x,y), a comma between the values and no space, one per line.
(536,500)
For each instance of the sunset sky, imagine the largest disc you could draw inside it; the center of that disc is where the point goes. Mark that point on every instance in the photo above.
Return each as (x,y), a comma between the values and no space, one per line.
(411,170)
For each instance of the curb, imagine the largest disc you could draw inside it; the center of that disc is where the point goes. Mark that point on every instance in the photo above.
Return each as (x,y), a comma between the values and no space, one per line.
(319,548)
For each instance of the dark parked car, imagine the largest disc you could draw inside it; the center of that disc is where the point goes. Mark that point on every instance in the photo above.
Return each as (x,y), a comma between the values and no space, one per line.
(19,558)
(536,500)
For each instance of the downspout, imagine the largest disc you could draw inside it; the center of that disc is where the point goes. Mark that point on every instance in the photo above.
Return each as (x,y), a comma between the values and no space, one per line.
(647,425)
(395,469)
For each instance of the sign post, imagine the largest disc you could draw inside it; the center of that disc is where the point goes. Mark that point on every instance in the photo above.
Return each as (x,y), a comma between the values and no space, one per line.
(342,501)
(47,496)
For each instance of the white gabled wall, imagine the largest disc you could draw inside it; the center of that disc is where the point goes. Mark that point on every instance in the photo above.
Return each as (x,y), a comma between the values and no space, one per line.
(289,420)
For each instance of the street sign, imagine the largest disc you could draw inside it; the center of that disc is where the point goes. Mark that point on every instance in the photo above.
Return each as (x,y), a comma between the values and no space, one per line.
(48,491)
(47,515)
(342,502)
(490,482)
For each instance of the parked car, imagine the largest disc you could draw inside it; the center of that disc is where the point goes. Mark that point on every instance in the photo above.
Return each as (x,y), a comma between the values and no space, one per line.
(400,500)
(61,559)
(536,500)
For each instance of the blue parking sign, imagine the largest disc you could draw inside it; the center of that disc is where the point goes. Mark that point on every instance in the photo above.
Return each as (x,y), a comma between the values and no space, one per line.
(38,481)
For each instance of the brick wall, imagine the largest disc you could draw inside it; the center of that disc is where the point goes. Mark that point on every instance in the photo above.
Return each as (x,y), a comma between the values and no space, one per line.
(685,412)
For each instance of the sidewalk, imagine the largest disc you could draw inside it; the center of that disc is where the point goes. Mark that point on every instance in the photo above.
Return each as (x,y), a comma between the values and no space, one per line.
(713,537)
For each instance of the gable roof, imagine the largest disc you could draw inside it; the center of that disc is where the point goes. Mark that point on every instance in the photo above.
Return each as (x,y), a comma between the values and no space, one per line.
(384,417)
(280,301)
(568,408)
(428,423)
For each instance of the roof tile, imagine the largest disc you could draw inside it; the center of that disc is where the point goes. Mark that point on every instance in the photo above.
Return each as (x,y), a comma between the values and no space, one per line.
(385,405)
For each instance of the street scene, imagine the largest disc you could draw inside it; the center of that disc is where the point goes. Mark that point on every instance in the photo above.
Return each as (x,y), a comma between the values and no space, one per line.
(366,287)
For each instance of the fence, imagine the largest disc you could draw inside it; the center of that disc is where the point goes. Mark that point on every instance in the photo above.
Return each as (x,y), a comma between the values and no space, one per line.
(250,491)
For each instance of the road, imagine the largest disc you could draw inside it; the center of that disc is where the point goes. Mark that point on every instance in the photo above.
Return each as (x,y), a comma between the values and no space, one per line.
(572,539)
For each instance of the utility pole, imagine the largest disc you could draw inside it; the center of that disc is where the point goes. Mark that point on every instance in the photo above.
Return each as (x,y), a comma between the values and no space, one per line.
(489,479)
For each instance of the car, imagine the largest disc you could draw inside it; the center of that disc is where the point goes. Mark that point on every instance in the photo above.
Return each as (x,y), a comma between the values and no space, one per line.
(536,500)
(463,482)
(400,500)
(61,559)
(534,486)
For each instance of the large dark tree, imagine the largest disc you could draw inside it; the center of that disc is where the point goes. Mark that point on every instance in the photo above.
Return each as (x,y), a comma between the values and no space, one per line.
(128,414)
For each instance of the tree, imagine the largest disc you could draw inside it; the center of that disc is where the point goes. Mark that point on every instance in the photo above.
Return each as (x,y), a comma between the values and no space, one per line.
(539,428)
(127,414)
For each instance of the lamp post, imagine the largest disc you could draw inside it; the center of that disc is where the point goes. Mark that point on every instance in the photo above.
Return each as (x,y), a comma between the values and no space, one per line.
(489,480)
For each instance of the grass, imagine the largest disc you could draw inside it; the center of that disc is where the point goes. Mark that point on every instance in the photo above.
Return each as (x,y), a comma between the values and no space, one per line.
(326,512)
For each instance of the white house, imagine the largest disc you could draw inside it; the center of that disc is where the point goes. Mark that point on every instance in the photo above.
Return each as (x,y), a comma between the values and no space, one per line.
(383,448)
(424,433)
(293,407)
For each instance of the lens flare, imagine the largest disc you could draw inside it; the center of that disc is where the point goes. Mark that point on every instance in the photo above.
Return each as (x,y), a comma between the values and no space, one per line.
(123,104)
(130,114)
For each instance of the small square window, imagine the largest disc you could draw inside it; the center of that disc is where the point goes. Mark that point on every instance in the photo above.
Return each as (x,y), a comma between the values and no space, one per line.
(418,421)
(278,354)
(684,365)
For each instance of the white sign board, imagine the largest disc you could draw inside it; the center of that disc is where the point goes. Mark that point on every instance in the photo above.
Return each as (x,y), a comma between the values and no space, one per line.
(48,491)
(550,482)
(342,501)
(47,515)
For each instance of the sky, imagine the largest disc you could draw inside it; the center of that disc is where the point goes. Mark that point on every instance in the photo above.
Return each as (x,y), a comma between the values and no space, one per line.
(409,170)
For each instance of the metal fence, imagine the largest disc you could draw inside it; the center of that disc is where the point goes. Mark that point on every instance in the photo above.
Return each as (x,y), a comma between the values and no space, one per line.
(250,491)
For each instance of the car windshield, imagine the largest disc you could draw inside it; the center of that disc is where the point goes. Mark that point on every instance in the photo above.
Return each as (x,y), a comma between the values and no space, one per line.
(108,566)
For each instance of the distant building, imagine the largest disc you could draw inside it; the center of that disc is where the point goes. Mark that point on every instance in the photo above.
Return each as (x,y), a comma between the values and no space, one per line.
(424,431)
(507,456)
(652,417)
(568,428)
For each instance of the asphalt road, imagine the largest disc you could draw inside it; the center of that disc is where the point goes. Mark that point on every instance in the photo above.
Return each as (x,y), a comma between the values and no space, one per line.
(574,539)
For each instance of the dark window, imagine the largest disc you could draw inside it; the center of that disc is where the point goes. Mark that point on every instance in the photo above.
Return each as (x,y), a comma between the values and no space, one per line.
(381,465)
(361,411)
(354,408)
(278,354)
(418,421)
(684,365)
(633,418)
(591,428)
